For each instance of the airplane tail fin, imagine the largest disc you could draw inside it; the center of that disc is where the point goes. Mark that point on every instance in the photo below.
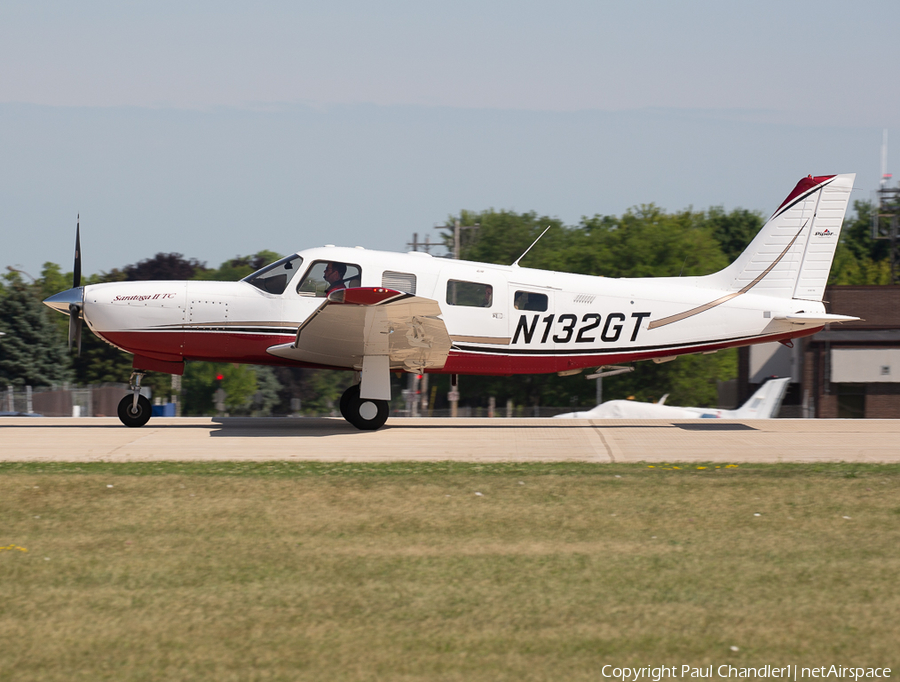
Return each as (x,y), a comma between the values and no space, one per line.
(763,404)
(791,255)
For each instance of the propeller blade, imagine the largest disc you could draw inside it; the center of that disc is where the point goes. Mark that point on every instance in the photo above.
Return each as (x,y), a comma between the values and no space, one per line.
(76,276)
(72,327)
(75,322)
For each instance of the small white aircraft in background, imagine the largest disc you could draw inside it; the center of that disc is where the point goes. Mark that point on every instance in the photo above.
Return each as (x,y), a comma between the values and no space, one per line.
(376,313)
(763,404)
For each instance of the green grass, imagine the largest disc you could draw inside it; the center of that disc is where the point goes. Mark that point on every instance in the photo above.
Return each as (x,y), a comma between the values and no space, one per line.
(311,571)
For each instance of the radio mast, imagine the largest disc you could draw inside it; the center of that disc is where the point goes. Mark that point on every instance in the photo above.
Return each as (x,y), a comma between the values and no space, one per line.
(886,215)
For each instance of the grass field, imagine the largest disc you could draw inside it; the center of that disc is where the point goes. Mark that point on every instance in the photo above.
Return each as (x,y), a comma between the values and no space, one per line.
(276,571)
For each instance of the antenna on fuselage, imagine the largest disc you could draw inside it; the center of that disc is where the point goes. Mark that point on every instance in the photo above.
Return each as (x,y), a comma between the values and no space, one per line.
(516,264)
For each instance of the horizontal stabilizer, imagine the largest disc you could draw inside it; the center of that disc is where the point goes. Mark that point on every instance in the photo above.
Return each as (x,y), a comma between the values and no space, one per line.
(815,318)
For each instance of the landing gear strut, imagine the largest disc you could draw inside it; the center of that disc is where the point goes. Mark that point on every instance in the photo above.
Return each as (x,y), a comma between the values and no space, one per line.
(134,409)
(364,414)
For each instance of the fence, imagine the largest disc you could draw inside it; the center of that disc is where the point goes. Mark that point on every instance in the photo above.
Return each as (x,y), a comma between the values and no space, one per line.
(65,401)
(103,401)
(517,411)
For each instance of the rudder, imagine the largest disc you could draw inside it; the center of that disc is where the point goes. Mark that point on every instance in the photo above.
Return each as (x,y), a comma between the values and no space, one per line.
(791,255)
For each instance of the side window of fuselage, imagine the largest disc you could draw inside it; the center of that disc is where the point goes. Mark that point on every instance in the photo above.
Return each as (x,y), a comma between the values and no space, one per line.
(324,276)
(399,281)
(471,294)
(528,300)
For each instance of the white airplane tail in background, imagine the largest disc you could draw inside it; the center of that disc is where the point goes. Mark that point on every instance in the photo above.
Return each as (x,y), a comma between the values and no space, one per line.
(791,255)
(763,404)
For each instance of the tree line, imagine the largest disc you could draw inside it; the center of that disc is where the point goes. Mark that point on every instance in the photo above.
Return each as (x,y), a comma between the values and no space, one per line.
(645,241)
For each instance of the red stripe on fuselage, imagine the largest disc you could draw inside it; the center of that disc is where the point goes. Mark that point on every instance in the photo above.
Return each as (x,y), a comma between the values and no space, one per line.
(210,346)
(461,362)
(219,346)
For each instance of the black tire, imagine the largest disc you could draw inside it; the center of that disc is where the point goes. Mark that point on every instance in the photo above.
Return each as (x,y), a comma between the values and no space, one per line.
(133,418)
(366,415)
(346,397)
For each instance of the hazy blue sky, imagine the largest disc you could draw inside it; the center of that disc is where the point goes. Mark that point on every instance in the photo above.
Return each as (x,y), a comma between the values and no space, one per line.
(222,128)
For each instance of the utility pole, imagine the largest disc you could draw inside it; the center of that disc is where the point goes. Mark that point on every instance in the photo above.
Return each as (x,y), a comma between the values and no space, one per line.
(415,243)
(458,229)
(453,395)
(417,384)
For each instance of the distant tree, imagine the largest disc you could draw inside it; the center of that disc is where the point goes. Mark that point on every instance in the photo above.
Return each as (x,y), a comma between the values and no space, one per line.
(52,281)
(100,363)
(734,231)
(648,242)
(200,384)
(167,266)
(644,242)
(262,402)
(856,234)
(30,352)
(266,396)
(321,391)
(502,236)
(690,380)
(860,259)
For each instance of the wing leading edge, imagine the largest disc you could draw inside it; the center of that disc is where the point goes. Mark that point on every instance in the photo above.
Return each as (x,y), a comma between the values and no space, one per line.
(352,324)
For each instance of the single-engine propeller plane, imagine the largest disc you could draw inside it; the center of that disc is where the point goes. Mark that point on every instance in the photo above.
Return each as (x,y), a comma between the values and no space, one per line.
(375,312)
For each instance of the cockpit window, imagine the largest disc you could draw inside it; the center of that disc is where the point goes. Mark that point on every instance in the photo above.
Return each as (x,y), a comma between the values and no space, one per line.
(274,278)
(325,276)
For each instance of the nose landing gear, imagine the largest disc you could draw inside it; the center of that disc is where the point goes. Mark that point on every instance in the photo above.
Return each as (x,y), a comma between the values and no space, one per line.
(134,410)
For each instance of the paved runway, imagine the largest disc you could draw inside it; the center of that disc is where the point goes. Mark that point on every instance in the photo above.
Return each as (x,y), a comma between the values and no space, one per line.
(470,440)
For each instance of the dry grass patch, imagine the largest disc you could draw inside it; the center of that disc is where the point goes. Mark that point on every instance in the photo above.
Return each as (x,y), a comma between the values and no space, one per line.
(296,572)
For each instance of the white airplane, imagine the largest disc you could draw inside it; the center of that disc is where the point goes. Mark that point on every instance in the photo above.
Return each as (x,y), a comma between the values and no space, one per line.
(376,313)
(762,405)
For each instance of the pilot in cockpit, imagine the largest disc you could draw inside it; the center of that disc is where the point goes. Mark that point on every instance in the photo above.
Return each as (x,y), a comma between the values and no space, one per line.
(334,275)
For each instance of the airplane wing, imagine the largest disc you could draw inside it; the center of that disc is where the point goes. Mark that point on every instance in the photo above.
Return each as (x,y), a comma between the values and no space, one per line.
(371,321)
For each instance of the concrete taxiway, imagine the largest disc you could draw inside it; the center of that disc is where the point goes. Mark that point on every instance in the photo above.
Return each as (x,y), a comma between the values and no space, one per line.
(470,440)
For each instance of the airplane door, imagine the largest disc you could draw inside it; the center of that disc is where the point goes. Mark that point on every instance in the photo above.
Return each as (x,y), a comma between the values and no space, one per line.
(531,323)
(475,308)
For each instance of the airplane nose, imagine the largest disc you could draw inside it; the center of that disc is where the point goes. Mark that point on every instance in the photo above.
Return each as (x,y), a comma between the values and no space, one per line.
(60,302)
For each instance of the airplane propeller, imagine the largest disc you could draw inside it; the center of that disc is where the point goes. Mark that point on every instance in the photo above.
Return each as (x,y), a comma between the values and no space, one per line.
(75,317)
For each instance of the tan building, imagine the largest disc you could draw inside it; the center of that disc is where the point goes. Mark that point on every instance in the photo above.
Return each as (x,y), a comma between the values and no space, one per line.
(849,370)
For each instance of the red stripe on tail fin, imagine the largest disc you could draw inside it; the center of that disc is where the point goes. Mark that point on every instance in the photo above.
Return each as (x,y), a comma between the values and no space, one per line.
(806,184)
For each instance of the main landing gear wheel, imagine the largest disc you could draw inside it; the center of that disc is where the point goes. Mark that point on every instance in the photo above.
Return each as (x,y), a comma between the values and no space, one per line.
(130,416)
(366,415)
(345,401)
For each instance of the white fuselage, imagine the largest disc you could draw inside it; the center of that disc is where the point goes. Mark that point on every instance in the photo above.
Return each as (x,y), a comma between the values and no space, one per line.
(501,319)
